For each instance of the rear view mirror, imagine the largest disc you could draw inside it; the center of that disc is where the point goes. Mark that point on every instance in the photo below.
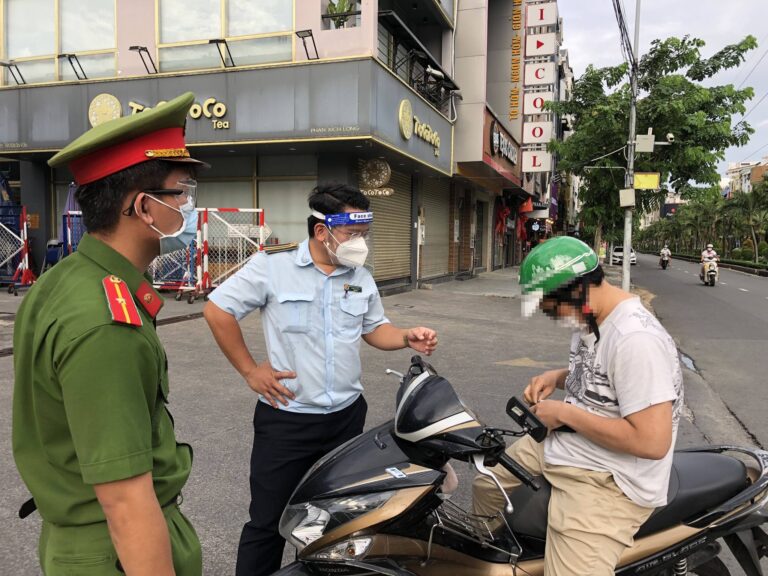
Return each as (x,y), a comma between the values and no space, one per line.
(526,419)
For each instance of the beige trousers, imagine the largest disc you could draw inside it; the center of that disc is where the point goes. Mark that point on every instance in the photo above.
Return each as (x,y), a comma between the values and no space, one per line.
(591,521)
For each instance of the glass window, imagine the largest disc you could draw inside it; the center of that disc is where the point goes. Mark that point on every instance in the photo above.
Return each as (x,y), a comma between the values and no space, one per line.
(183,20)
(211,194)
(285,208)
(97,17)
(260,50)
(29,27)
(34,71)
(195,57)
(246,17)
(94,66)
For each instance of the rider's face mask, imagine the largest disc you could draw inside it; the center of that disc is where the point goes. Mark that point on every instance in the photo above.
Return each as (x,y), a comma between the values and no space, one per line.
(562,314)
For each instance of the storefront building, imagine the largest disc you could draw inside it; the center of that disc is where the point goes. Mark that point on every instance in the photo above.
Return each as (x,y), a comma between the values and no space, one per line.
(287,96)
(489,187)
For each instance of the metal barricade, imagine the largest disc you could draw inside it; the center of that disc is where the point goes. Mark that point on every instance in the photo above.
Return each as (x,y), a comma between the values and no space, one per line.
(14,240)
(228,237)
(11,244)
(72,223)
(176,271)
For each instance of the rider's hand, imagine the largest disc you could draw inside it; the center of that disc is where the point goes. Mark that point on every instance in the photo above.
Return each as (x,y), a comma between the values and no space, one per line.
(265,380)
(541,386)
(550,412)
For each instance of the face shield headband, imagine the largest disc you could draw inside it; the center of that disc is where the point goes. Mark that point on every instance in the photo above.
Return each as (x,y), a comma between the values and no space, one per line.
(344,218)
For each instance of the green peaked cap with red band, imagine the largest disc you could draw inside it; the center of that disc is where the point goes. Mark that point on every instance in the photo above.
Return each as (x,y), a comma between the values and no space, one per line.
(156,134)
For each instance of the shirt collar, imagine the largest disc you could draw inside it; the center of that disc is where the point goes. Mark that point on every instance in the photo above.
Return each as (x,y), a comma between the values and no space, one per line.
(304,258)
(118,265)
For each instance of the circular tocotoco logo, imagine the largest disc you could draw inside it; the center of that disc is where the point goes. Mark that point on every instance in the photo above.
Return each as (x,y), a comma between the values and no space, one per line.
(405,116)
(104,107)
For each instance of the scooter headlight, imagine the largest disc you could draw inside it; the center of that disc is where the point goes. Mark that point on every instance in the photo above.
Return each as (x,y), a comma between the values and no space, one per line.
(302,524)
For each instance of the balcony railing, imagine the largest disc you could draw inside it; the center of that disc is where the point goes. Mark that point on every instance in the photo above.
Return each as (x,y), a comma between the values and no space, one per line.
(410,60)
(341,20)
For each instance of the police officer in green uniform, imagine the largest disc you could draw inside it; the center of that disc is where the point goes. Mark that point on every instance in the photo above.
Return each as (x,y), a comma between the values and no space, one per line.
(92,436)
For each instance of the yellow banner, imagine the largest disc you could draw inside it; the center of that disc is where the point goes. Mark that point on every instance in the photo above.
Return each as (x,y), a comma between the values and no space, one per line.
(647,181)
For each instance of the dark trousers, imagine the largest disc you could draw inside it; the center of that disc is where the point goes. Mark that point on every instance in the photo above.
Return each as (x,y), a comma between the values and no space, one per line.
(285,445)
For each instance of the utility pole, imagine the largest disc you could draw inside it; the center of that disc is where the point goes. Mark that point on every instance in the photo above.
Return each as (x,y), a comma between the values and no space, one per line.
(629,178)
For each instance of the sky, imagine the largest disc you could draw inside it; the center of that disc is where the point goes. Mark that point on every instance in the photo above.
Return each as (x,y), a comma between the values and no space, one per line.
(591,35)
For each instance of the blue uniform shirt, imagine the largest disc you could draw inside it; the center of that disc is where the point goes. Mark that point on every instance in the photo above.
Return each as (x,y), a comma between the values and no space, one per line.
(310,325)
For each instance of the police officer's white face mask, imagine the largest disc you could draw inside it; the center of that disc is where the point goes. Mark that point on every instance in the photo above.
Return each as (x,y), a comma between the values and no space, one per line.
(352,253)
(184,236)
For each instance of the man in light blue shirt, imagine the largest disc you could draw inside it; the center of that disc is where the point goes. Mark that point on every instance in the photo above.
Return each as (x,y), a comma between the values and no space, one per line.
(316,303)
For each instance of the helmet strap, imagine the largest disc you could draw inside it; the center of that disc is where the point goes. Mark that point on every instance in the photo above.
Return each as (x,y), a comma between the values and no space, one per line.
(586,309)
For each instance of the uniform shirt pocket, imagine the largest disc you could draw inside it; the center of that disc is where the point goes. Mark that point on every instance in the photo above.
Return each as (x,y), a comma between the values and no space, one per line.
(353,310)
(295,311)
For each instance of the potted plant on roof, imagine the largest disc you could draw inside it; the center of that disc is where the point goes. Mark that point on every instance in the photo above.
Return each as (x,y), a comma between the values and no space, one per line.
(342,8)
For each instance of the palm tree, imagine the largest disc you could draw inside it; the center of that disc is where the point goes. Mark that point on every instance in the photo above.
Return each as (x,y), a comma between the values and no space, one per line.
(750,208)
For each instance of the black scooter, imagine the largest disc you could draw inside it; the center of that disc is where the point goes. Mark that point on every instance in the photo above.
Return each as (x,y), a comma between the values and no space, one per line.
(375,504)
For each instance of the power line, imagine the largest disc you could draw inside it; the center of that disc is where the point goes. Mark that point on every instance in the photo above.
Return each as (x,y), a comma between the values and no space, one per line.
(753,108)
(753,69)
(753,153)
(760,43)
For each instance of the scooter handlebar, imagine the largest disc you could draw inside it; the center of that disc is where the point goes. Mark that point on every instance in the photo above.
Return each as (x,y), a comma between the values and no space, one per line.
(520,473)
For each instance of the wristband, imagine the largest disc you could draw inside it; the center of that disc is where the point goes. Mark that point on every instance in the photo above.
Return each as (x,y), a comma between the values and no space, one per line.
(406,344)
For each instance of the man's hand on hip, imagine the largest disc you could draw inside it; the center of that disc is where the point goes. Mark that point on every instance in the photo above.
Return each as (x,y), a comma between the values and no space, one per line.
(265,380)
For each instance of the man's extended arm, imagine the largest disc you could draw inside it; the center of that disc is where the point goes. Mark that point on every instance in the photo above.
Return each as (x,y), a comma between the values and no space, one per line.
(136,525)
(388,337)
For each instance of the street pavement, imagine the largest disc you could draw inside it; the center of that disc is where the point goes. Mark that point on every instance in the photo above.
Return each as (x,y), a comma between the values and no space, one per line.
(723,329)
(486,349)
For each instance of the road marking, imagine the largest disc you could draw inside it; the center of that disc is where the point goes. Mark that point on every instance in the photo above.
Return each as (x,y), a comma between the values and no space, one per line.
(687,272)
(723,284)
(743,289)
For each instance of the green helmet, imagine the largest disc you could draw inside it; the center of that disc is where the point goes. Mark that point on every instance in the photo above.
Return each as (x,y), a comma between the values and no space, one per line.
(551,265)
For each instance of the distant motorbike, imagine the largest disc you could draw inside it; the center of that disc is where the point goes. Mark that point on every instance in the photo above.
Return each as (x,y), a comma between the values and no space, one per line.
(709,273)
(664,262)
(375,505)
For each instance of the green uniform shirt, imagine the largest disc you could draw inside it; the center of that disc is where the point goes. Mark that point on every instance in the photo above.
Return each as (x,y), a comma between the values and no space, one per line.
(90,393)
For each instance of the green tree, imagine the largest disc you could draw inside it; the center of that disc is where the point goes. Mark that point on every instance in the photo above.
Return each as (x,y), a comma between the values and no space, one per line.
(752,209)
(672,100)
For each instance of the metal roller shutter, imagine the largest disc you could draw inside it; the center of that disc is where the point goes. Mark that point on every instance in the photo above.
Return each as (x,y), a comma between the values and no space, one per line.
(435,203)
(392,230)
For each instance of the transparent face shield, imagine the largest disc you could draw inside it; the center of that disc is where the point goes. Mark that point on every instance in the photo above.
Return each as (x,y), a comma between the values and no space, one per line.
(352,238)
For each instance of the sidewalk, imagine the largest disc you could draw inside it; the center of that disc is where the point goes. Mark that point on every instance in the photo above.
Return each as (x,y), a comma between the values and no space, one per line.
(500,283)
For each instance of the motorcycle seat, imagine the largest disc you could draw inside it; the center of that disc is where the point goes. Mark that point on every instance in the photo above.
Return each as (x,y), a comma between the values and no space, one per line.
(698,481)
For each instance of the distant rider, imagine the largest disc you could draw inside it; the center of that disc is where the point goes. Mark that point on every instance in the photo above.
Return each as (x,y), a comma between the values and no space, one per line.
(665,253)
(708,255)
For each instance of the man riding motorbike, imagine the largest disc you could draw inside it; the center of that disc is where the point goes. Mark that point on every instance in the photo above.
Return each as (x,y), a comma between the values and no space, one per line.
(664,256)
(623,398)
(708,255)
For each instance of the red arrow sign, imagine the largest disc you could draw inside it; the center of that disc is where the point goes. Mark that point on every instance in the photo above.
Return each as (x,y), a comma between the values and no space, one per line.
(539,44)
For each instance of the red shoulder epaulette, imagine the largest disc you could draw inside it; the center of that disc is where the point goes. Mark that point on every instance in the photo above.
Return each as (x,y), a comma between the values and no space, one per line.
(120,301)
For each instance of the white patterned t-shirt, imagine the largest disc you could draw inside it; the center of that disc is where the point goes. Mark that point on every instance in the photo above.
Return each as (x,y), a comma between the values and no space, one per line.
(633,366)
